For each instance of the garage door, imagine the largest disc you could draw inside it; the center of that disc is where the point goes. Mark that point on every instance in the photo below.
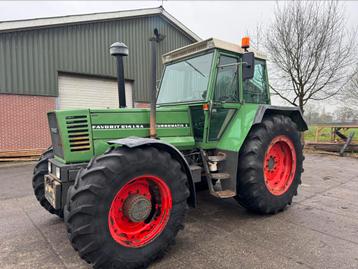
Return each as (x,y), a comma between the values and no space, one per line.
(90,92)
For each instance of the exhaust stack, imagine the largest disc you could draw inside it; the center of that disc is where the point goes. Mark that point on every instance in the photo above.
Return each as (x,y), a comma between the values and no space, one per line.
(153,82)
(119,50)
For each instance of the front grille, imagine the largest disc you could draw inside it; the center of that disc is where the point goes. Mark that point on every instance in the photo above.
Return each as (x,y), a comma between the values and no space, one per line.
(55,135)
(78,133)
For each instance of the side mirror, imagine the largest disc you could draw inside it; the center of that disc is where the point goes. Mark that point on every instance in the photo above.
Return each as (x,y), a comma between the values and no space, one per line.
(248,65)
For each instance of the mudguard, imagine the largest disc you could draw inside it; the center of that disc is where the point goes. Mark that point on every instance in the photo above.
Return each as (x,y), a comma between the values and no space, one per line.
(293,112)
(134,142)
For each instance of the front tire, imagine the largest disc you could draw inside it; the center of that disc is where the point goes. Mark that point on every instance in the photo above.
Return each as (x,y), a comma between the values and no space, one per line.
(270,166)
(126,207)
(38,182)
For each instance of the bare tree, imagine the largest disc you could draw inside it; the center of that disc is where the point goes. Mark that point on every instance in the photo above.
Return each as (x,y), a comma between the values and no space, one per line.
(311,51)
(346,114)
(312,114)
(349,95)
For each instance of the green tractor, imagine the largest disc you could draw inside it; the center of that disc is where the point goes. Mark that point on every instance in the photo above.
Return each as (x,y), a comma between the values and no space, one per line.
(123,179)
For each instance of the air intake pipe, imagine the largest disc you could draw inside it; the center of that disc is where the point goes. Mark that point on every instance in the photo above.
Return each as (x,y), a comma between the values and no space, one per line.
(119,50)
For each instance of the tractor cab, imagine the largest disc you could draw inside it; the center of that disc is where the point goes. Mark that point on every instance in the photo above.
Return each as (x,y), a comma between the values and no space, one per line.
(214,79)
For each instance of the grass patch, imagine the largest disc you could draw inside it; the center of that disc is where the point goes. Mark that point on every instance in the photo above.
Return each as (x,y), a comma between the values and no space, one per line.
(325,134)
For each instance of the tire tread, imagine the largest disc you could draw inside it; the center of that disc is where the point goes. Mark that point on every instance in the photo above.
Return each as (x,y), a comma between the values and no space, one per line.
(81,205)
(252,192)
(38,184)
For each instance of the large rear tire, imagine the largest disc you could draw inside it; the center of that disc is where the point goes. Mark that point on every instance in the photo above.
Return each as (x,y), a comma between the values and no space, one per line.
(38,182)
(270,166)
(126,207)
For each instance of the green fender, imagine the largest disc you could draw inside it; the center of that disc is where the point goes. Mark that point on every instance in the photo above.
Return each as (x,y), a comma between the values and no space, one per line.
(133,142)
(249,115)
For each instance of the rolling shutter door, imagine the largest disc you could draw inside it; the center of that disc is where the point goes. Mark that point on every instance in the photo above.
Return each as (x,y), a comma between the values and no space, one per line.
(90,92)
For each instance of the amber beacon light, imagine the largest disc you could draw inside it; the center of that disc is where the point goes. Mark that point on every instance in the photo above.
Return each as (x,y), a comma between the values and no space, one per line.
(245,42)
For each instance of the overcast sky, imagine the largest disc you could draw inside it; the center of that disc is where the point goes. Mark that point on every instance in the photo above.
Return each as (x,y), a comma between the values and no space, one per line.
(227,20)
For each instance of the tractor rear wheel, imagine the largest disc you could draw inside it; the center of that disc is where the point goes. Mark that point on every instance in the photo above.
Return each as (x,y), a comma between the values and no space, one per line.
(270,165)
(38,182)
(126,207)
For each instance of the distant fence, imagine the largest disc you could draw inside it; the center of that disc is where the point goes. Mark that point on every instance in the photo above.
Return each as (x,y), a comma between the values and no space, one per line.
(336,137)
(331,132)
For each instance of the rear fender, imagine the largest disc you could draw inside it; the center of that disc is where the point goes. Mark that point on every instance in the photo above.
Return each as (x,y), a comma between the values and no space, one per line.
(293,112)
(135,142)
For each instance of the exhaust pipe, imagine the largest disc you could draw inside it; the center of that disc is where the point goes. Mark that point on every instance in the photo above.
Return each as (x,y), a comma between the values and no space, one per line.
(154,41)
(119,50)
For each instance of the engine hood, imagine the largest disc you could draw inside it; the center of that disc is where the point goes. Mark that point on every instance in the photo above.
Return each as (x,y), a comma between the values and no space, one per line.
(84,133)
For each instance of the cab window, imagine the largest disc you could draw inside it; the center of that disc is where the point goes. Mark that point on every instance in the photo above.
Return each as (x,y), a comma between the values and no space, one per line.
(227,86)
(186,80)
(255,89)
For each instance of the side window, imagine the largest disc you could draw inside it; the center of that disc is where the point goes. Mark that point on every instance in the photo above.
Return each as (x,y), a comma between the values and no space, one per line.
(255,89)
(227,86)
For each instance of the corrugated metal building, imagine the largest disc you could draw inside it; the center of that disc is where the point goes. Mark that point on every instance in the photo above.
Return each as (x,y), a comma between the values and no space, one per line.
(64,62)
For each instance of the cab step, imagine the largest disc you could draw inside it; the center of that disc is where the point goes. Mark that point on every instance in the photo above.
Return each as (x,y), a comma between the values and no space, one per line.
(222,179)
(220,176)
(217,158)
(225,194)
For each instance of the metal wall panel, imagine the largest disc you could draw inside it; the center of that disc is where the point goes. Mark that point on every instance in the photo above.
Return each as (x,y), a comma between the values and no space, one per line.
(30,60)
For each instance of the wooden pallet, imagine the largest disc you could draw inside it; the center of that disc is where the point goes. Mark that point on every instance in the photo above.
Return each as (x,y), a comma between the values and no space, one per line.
(21,155)
(332,147)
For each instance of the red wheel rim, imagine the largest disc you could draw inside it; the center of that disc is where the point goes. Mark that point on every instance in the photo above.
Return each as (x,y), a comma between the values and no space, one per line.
(279,165)
(140,211)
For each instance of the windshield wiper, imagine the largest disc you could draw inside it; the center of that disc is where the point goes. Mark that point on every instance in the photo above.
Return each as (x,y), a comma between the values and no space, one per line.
(197,70)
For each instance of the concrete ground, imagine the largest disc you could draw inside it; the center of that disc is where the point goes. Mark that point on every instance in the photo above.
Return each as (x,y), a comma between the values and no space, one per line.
(319,230)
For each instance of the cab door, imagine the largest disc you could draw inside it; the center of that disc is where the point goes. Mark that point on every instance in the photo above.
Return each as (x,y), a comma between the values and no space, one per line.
(226,96)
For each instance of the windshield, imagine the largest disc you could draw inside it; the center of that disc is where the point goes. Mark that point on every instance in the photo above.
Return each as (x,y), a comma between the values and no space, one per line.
(186,81)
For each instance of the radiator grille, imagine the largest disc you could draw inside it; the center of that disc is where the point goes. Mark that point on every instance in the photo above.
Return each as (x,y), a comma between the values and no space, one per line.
(78,133)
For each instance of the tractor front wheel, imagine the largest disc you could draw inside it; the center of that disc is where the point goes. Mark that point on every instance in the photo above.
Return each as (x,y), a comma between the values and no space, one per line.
(270,165)
(38,182)
(126,207)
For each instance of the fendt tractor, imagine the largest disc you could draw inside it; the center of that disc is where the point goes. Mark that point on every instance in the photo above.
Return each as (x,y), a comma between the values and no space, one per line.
(123,179)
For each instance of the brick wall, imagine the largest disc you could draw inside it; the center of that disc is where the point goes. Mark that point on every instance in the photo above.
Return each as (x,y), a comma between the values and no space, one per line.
(23,121)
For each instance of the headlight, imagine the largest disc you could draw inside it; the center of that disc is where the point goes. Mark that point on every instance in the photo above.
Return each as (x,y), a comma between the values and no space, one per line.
(49,168)
(57,172)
